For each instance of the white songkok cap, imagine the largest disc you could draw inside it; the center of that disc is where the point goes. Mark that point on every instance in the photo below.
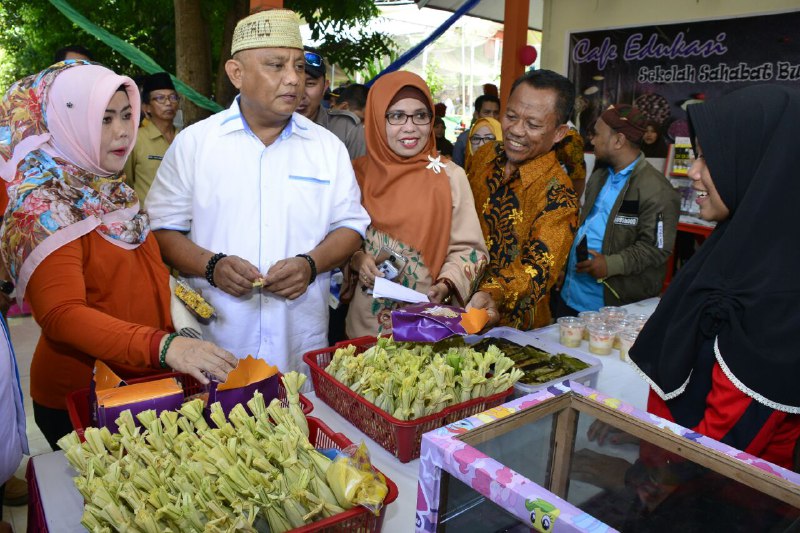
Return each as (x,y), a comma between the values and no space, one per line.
(276,28)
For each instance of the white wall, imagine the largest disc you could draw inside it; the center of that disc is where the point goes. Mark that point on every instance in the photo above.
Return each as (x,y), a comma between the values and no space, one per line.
(561,17)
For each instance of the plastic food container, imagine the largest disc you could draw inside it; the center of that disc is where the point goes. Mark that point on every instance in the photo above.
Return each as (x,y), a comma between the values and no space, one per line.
(587,376)
(611,313)
(619,326)
(626,339)
(588,318)
(641,318)
(570,331)
(601,338)
(637,321)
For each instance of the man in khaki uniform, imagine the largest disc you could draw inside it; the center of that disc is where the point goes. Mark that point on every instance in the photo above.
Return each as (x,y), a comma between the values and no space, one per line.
(160,103)
(342,123)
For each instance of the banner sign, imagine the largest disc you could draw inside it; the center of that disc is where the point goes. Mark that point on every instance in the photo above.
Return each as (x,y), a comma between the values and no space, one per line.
(661,69)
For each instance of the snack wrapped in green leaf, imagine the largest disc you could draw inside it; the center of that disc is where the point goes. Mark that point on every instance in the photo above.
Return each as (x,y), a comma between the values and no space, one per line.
(293,381)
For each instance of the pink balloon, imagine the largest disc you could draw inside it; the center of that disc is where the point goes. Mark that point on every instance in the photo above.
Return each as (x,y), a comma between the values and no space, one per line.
(527,55)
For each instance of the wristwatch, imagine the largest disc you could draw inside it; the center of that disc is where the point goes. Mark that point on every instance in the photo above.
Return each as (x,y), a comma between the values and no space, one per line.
(6,286)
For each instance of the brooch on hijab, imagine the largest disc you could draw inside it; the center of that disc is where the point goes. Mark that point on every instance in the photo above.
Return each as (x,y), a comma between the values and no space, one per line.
(435,164)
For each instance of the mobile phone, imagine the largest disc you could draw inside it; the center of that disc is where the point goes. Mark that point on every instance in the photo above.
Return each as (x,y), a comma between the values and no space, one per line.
(582,250)
(388,269)
(390,263)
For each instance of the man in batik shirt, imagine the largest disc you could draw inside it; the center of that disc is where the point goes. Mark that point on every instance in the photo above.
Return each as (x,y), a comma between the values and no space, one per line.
(527,207)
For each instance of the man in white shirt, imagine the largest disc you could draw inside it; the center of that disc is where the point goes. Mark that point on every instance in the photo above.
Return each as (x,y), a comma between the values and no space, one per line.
(267,187)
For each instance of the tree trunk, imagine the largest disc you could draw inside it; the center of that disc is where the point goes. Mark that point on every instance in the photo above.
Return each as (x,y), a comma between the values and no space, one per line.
(192,55)
(226,92)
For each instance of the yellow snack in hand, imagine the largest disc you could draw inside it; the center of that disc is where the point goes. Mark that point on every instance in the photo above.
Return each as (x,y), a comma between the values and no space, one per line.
(193,300)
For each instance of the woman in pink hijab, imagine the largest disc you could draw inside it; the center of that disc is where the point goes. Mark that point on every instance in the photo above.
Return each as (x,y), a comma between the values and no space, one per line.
(76,243)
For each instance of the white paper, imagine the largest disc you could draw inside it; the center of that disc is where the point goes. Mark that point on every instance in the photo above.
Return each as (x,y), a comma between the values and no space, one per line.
(394,291)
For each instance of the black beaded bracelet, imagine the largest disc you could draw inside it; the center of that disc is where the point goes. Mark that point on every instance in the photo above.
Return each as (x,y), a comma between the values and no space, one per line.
(313,266)
(162,359)
(212,264)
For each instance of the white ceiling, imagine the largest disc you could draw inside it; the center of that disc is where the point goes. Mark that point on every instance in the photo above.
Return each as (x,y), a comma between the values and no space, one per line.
(490,9)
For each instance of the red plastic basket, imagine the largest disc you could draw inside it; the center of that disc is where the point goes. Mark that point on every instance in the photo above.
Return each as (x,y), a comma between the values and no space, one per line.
(357,519)
(78,401)
(399,437)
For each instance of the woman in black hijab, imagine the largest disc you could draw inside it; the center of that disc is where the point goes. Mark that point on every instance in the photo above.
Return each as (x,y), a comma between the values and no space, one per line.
(653,143)
(721,350)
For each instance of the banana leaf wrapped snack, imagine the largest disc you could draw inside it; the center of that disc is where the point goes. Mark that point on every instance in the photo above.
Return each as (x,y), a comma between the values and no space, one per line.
(413,380)
(250,471)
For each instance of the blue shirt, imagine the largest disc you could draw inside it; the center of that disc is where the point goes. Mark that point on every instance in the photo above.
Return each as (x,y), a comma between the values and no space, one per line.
(581,290)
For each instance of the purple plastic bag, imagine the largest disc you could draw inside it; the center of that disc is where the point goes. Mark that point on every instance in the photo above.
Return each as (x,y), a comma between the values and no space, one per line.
(107,416)
(426,322)
(229,398)
(94,408)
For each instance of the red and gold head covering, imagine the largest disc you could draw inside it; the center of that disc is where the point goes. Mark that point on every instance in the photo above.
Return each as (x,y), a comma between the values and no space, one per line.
(407,197)
(627,120)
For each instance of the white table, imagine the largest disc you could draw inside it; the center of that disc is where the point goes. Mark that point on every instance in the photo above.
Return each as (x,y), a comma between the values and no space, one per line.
(63,504)
(61,501)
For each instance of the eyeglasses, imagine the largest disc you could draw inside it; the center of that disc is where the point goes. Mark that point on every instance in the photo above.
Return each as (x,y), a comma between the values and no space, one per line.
(313,59)
(398,118)
(477,139)
(162,98)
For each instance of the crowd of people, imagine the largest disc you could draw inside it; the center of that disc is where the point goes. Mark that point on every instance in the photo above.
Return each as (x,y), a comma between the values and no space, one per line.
(258,204)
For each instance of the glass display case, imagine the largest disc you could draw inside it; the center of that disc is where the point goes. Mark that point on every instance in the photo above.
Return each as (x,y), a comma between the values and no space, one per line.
(571,459)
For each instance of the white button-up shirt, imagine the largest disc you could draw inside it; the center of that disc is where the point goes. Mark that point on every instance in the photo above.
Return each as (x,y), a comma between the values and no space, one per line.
(231,194)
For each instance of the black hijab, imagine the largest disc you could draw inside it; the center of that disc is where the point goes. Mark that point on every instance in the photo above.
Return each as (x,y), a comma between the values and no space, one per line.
(743,284)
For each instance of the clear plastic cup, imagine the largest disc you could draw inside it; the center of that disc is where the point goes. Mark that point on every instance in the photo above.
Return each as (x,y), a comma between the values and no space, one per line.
(570,331)
(589,317)
(620,325)
(637,321)
(601,338)
(626,339)
(611,313)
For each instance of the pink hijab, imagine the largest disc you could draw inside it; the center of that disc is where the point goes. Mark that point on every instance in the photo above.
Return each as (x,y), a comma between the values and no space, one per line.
(75,108)
(60,110)
(50,132)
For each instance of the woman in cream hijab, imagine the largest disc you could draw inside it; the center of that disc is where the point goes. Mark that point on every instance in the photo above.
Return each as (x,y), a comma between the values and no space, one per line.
(486,130)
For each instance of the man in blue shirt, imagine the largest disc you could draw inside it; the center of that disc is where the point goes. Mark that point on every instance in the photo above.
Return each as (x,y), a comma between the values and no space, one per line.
(628,222)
